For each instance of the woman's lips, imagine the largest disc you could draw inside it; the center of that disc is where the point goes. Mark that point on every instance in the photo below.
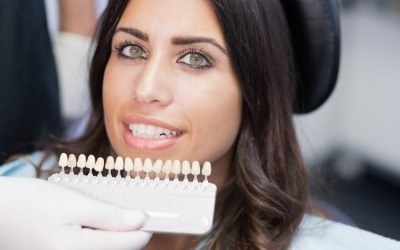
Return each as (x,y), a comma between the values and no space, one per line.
(147,134)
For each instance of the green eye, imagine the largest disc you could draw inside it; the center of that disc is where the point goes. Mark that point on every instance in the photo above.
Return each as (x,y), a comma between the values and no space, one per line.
(196,60)
(135,52)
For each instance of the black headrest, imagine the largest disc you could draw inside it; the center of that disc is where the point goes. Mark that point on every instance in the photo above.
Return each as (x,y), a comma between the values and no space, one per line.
(315,31)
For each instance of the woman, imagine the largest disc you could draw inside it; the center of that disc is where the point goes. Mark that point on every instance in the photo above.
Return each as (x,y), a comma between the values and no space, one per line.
(207,81)
(226,92)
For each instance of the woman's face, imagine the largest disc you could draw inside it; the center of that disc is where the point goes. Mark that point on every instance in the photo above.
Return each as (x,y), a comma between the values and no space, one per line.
(169,89)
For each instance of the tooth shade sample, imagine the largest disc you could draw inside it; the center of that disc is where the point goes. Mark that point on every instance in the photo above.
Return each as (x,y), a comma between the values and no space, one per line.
(167,167)
(71,161)
(63,162)
(128,164)
(176,167)
(99,166)
(185,167)
(138,166)
(119,163)
(147,165)
(195,168)
(81,161)
(109,163)
(157,166)
(91,161)
(206,171)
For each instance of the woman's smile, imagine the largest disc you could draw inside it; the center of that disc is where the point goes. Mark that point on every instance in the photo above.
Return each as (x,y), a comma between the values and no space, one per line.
(143,133)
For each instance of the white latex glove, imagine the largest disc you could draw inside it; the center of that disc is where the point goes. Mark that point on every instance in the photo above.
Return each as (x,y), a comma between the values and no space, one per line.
(36,214)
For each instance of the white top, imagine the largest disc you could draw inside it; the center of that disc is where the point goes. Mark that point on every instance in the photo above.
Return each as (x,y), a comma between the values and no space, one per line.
(315,233)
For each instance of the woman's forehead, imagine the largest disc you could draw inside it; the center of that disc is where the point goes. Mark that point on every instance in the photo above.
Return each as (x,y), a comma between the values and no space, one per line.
(170,18)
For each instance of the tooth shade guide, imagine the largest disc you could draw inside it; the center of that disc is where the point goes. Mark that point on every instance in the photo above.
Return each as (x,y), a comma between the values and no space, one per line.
(191,210)
(168,170)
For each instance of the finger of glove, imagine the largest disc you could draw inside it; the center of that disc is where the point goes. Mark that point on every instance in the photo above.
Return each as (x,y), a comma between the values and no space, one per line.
(103,216)
(98,239)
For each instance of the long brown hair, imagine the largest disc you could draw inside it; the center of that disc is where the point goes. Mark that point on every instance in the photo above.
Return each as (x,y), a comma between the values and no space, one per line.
(263,203)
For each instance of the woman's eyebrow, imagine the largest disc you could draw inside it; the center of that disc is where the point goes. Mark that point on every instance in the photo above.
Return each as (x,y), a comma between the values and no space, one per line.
(197,39)
(178,40)
(134,32)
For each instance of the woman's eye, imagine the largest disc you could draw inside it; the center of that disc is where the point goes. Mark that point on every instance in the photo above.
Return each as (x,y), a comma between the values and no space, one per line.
(195,60)
(134,52)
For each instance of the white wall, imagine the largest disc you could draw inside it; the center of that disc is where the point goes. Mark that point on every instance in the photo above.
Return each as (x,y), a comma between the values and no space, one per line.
(363,114)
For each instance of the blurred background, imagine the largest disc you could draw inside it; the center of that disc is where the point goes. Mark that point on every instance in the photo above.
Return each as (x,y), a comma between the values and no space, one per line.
(352,142)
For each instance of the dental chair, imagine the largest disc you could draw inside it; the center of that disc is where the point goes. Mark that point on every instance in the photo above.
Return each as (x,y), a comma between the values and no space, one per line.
(315,31)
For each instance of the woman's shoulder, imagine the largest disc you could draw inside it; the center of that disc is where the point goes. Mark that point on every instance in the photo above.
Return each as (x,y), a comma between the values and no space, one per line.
(318,233)
(27,165)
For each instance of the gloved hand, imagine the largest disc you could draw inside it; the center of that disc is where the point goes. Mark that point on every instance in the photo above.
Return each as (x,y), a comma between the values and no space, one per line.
(36,214)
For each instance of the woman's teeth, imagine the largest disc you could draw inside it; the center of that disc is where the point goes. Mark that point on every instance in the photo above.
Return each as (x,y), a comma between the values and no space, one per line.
(152,132)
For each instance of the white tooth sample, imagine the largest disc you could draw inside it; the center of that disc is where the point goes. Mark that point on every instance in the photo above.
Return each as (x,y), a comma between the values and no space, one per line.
(142,128)
(176,167)
(167,132)
(195,170)
(147,165)
(109,164)
(81,161)
(157,167)
(185,168)
(185,171)
(138,166)
(150,130)
(119,163)
(71,163)
(173,133)
(167,169)
(99,166)
(90,163)
(63,162)
(206,171)
(135,127)
(131,127)
(128,165)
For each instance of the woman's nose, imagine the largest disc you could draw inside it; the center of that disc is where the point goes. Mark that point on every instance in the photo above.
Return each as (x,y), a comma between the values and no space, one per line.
(151,85)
